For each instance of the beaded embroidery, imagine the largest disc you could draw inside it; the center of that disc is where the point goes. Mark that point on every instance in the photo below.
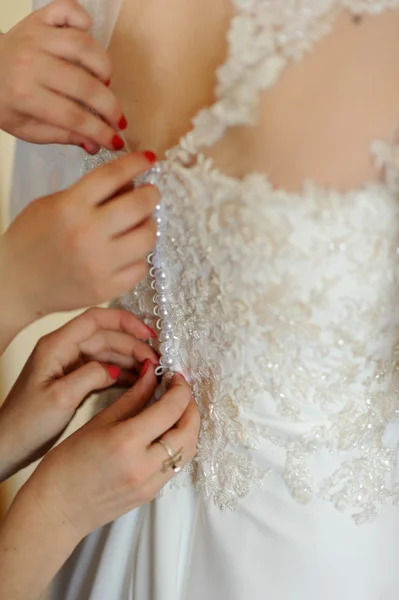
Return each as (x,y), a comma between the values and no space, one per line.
(286,333)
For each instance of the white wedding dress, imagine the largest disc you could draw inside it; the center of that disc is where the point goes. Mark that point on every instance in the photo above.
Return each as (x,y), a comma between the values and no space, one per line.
(282,311)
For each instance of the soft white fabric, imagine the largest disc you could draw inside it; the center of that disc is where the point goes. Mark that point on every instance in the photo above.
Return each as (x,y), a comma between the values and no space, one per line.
(282,310)
(35,171)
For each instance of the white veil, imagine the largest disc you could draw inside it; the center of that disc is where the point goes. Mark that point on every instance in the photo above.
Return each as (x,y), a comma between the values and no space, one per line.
(42,170)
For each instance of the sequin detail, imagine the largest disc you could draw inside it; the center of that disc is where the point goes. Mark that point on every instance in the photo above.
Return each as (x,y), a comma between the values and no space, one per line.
(288,334)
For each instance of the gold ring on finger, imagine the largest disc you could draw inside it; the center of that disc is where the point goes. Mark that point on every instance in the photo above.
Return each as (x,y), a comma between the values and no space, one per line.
(174,458)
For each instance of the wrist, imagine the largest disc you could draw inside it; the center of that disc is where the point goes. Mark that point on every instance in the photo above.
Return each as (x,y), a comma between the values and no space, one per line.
(8,452)
(43,491)
(14,453)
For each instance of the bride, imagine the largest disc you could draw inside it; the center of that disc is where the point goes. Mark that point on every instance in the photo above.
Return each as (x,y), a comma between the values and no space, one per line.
(274,287)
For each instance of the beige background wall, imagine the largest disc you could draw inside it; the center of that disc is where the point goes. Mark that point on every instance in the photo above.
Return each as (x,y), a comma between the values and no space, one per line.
(16,355)
(10,13)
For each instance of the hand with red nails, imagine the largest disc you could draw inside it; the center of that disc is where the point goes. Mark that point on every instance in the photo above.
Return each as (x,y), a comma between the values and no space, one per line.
(123,439)
(50,70)
(79,247)
(110,466)
(94,351)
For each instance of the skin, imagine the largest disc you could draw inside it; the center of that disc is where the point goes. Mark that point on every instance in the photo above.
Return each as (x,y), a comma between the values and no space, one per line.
(64,368)
(68,495)
(339,98)
(101,229)
(350,84)
(49,68)
(101,233)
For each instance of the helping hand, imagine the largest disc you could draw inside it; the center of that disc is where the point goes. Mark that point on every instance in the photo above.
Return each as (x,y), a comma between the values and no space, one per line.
(65,367)
(114,463)
(79,247)
(50,69)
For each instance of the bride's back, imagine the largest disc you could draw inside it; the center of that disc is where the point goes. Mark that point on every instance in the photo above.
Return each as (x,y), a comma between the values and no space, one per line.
(319,120)
(277,290)
(165,56)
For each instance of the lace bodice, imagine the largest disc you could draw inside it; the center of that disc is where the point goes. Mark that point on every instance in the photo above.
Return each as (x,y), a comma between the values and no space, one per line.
(280,308)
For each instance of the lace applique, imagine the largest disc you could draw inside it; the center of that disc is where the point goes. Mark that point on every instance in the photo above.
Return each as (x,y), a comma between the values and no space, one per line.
(250,295)
(286,332)
(294,382)
(362,464)
(264,37)
(386,157)
(194,337)
(253,296)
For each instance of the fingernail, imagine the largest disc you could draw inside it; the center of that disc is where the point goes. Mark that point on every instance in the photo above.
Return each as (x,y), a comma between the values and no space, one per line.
(151,332)
(150,156)
(182,376)
(117,142)
(122,123)
(107,83)
(90,151)
(145,368)
(113,371)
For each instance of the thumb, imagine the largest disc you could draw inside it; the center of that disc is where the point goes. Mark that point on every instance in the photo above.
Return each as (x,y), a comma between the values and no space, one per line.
(91,377)
(134,400)
(178,380)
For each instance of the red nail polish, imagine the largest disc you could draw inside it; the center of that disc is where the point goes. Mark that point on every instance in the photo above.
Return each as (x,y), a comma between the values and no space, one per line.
(150,156)
(117,142)
(152,333)
(122,123)
(113,371)
(107,83)
(88,150)
(145,368)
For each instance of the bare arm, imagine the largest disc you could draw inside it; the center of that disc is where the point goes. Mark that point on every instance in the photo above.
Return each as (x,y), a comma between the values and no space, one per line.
(32,548)
(68,495)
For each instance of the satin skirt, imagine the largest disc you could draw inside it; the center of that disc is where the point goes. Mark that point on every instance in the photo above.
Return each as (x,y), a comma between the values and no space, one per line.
(182,547)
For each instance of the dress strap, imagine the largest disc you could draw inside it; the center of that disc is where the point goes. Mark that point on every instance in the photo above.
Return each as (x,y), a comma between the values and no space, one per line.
(264,37)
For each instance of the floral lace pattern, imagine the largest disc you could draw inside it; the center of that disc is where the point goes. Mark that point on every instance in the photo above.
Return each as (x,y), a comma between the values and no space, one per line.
(264,37)
(281,308)
(293,340)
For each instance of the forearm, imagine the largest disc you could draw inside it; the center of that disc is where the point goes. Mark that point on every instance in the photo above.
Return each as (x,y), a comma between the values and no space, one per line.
(10,324)
(14,308)
(8,464)
(14,454)
(33,547)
